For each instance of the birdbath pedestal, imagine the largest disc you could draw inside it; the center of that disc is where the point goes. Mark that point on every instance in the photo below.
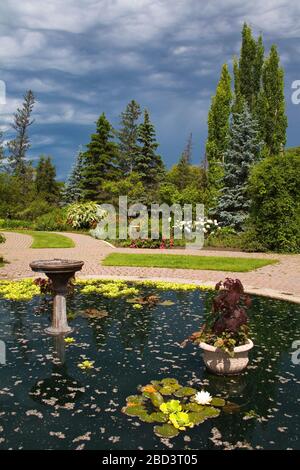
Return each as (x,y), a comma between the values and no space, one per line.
(59,271)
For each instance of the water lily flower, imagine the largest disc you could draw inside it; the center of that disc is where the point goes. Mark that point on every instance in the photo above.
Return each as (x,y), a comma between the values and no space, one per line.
(203,398)
(69,340)
(86,364)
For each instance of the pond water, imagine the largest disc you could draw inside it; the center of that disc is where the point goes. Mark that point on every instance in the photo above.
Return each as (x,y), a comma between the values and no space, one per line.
(46,404)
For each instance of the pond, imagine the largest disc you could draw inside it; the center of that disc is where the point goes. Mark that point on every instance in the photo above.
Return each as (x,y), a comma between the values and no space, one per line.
(48,402)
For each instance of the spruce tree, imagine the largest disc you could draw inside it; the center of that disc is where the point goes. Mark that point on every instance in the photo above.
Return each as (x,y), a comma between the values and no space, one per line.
(19,146)
(243,151)
(73,191)
(45,179)
(271,110)
(127,137)
(99,161)
(218,128)
(148,164)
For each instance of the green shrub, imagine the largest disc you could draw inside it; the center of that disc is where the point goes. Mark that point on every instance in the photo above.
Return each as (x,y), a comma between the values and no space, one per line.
(55,221)
(225,237)
(12,224)
(85,215)
(35,209)
(274,188)
(2,238)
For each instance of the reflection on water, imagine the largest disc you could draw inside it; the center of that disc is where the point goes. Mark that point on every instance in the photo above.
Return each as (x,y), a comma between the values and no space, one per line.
(48,402)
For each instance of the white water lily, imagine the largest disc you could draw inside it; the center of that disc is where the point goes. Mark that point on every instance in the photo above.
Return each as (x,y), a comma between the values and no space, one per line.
(203,398)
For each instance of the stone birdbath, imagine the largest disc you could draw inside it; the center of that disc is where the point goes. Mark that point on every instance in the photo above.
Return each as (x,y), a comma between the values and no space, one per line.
(59,271)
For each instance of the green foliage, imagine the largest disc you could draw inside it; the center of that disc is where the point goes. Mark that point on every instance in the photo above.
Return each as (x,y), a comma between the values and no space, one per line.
(127,137)
(20,144)
(84,215)
(55,220)
(226,237)
(99,161)
(130,186)
(148,164)
(271,105)
(249,72)
(2,238)
(274,189)
(243,151)
(11,224)
(218,129)
(35,209)
(46,185)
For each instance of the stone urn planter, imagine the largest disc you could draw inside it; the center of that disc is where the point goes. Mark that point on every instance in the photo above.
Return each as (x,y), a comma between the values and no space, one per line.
(220,363)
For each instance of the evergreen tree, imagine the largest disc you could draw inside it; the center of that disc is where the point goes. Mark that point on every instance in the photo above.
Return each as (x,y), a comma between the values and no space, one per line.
(2,156)
(128,136)
(187,153)
(20,144)
(45,179)
(183,168)
(73,191)
(243,151)
(99,161)
(271,115)
(250,68)
(148,164)
(218,128)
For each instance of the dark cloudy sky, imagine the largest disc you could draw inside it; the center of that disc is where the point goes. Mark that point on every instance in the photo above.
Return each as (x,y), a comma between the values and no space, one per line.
(83,57)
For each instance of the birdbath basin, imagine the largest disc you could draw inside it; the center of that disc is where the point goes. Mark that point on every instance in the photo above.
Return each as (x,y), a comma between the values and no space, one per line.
(59,271)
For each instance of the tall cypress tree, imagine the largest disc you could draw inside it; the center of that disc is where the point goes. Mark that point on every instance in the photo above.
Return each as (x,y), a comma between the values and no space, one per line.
(73,191)
(148,164)
(271,115)
(218,128)
(99,161)
(127,136)
(250,67)
(243,151)
(45,179)
(19,146)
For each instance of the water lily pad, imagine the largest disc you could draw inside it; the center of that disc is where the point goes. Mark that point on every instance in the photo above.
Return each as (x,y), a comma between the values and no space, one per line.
(210,412)
(166,430)
(136,410)
(136,399)
(193,407)
(158,417)
(185,392)
(196,418)
(156,399)
(217,402)
(170,382)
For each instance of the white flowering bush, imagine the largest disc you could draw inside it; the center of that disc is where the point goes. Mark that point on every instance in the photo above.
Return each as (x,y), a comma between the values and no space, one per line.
(84,215)
(207,225)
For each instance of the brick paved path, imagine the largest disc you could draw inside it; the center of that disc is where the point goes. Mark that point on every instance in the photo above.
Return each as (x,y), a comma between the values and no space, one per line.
(283,277)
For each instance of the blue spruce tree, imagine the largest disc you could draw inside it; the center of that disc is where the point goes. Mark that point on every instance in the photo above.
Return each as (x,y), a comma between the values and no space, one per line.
(73,192)
(243,151)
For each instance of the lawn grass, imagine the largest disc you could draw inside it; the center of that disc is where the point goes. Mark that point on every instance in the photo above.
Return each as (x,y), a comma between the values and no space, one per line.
(213,263)
(48,239)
